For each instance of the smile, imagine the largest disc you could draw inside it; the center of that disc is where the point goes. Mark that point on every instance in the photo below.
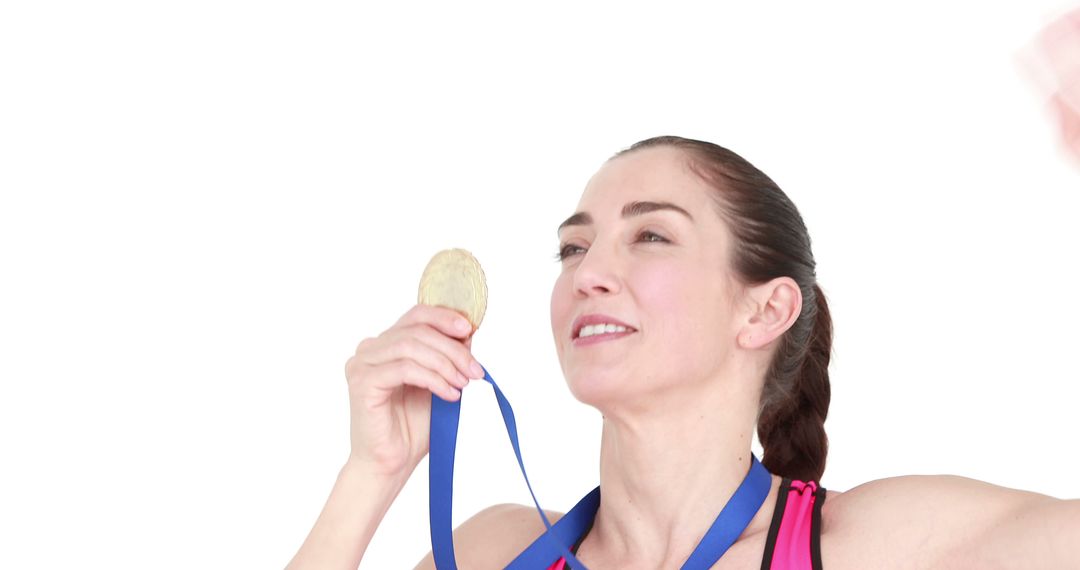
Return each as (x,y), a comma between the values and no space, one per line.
(598,338)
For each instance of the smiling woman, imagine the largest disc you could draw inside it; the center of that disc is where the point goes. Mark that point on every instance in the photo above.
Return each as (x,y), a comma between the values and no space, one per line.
(214,215)
(697,272)
(687,312)
(718,340)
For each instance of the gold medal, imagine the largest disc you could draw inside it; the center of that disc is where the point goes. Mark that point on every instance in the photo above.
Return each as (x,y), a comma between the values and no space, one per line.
(453,278)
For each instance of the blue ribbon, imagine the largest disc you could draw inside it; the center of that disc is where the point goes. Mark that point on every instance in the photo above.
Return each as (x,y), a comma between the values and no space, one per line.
(545,550)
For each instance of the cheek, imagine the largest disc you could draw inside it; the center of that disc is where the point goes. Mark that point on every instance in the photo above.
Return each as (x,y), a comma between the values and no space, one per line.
(560,305)
(681,303)
(666,290)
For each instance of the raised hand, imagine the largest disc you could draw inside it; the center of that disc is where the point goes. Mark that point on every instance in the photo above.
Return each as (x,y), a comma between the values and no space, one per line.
(391,378)
(1053,63)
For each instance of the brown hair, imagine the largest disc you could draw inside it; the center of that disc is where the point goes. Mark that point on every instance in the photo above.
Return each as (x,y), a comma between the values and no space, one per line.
(771,241)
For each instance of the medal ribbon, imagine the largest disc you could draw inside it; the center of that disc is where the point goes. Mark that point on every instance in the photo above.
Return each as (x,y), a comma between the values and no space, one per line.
(732,521)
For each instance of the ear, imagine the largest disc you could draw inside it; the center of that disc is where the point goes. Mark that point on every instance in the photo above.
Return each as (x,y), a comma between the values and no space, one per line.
(774,307)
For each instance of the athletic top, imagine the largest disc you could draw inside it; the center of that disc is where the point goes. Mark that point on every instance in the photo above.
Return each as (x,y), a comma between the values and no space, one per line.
(794,539)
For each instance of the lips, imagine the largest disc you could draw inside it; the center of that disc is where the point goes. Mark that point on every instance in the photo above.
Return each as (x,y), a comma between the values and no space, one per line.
(595,319)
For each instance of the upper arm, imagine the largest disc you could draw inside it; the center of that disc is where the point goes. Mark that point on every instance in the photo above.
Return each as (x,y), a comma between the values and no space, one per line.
(1037,532)
(949,521)
(493,537)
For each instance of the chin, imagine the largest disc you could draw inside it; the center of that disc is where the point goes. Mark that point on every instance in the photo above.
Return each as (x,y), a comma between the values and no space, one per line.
(597,389)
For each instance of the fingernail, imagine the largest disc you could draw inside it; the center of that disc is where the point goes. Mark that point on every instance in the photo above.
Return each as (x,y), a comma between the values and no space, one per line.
(476,369)
(462,325)
(462,379)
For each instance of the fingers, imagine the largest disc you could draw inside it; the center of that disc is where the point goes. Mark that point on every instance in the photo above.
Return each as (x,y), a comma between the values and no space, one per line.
(457,353)
(411,373)
(423,349)
(389,375)
(447,321)
(429,348)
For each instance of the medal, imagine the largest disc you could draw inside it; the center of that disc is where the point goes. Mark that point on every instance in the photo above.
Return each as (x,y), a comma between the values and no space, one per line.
(453,278)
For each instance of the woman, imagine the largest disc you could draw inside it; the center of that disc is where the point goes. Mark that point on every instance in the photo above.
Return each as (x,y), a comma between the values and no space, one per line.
(707,265)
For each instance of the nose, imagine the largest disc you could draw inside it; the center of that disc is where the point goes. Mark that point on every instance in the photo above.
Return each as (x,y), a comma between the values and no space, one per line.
(597,273)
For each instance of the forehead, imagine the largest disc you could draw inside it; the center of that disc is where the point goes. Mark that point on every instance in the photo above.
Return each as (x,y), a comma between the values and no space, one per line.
(660,173)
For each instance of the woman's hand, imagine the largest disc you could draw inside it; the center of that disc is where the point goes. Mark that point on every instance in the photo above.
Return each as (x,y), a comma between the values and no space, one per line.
(391,378)
(1053,61)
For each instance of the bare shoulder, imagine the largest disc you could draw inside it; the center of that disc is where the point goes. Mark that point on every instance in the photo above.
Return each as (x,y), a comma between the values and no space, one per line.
(924,520)
(493,537)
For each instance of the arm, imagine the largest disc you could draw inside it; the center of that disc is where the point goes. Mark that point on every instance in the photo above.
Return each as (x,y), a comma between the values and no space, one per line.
(390,379)
(952,522)
(357,504)
(1040,532)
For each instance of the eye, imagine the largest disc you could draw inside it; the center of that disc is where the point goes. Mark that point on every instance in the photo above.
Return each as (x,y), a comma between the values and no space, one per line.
(564,252)
(567,250)
(648,233)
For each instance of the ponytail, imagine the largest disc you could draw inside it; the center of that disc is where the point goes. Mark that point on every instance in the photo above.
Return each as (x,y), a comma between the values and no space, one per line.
(791,425)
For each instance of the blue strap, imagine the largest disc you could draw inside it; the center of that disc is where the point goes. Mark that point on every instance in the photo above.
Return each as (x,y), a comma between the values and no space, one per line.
(444,427)
(545,550)
(733,518)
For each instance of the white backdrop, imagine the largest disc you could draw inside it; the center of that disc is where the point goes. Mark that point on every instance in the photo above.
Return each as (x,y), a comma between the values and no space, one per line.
(206,205)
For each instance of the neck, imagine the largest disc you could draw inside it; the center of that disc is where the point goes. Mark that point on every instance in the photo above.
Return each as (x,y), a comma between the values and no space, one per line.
(666,472)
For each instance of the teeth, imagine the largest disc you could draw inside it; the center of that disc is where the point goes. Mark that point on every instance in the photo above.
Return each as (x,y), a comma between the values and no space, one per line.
(589,330)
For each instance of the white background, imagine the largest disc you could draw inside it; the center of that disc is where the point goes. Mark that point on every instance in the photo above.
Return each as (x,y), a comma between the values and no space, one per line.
(206,205)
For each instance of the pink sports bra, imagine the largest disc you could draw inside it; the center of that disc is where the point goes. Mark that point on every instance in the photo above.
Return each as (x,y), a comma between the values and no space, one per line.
(794,539)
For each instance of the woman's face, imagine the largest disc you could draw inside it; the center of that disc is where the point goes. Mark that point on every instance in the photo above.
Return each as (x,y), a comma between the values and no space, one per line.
(662,272)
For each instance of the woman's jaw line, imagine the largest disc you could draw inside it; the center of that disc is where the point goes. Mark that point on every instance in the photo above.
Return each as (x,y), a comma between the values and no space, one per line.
(623,402)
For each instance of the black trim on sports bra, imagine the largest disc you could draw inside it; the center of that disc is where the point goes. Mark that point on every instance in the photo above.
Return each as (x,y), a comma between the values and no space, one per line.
(774,526)
(573,549)
(778,516)
(815,528)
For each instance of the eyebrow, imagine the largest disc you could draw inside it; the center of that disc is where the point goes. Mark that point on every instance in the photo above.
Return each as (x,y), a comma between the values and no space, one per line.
(630,210)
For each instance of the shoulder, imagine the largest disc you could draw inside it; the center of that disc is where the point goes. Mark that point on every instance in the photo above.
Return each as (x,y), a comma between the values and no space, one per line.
(493,537)
(930,521)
